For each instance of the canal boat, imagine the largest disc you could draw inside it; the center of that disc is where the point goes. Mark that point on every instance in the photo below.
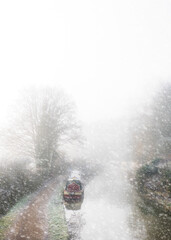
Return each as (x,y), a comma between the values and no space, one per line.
(73,191)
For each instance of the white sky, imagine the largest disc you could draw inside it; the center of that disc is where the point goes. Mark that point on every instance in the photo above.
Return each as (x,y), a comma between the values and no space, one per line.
(106,54)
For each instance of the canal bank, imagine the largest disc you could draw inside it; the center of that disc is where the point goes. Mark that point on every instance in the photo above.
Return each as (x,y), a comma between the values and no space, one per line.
(152,185)
(154,225)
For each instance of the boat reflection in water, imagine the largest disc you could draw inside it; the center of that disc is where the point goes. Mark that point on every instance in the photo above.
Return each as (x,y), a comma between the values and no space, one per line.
(73,206)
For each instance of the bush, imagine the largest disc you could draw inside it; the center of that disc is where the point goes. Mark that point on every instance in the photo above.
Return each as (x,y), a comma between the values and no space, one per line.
(16,181)
(145,172)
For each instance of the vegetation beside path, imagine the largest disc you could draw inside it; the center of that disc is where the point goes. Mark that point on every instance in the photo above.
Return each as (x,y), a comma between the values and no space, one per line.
(154,187)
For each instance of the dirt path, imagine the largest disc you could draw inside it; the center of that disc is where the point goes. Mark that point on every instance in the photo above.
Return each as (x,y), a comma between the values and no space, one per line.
(31,223)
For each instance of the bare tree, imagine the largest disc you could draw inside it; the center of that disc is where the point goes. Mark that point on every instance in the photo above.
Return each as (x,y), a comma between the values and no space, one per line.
(43,119)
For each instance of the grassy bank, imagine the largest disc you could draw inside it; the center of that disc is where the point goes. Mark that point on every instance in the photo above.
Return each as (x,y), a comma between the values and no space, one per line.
(56,218)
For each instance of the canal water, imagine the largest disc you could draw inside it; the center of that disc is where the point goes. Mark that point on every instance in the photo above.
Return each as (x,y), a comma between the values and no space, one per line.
(110,212)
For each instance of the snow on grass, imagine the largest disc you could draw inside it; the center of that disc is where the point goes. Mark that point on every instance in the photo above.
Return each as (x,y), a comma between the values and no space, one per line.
(56,218)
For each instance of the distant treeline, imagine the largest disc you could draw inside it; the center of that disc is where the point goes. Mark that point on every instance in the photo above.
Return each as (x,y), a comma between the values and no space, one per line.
(151,129)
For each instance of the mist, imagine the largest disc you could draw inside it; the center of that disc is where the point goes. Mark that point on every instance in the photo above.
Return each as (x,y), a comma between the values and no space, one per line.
(85,86)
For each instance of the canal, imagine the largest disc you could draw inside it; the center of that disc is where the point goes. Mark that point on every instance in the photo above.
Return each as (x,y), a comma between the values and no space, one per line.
(110,212)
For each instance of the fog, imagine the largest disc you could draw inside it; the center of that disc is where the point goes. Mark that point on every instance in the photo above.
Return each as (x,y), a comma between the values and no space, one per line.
(107,55)
(105,65)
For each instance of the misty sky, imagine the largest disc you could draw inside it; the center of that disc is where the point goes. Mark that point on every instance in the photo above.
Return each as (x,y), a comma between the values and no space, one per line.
(106,54)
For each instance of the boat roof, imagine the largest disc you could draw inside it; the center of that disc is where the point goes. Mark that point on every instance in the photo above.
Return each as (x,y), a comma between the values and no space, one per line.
(74,178)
